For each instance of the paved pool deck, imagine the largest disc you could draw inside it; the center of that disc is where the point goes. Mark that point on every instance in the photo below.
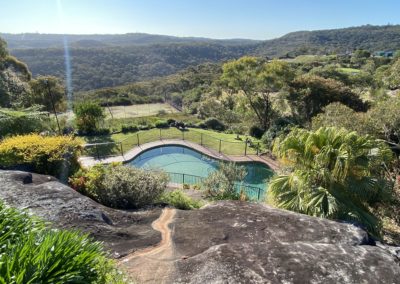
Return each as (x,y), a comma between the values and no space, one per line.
(87,161)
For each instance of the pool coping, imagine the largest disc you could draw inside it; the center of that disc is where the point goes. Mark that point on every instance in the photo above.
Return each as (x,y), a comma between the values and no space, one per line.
(88,161)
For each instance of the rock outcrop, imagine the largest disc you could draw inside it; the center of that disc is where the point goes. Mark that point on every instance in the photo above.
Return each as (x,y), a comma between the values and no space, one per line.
(240,242)
(121,231)
(225,242)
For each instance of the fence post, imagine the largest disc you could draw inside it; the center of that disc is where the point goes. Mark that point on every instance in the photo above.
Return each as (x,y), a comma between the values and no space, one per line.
(183,179)
(97,151)
(138,143)
(259,193)
(219,145)
(160,133)
(245,147)
(122,150)
(201,139)
(183,135)
(258,148)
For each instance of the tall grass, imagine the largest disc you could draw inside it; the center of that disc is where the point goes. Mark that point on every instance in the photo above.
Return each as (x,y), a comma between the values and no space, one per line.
(32,253)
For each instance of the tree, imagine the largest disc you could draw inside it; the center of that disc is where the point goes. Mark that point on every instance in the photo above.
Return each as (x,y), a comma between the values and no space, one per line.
(14,77)
(310,94)
(3,49)
(221,183)
(359,57)
(384,121)
(341,116)
(46,91)
(334,174)
(392,76)
(257,81)
(88,114)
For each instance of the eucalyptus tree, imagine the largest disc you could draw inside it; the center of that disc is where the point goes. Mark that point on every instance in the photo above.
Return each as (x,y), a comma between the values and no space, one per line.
(309,94)
(332,173)
(46,91)
(257,80)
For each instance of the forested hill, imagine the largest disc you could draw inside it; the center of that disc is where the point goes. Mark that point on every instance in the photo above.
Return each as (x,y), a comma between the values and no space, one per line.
(109,60)
(94,68)
(368,37)
(36,40)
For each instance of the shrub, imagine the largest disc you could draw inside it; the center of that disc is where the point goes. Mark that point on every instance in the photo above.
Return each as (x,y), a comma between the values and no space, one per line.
(103,131)
(221,183)
(54,155)
(201,125)
(129,128)
(171,121)
(180,200)
(31,253)
(88,115)
(214,124)
(280,127)
(256,131)
(14,122)
(120,186)
(180,124)
(161,124)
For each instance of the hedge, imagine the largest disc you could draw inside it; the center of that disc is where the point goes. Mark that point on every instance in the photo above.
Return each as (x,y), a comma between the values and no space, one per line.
(53,155)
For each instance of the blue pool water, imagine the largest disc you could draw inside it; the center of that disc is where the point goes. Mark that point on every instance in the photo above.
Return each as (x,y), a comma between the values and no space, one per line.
(182,160)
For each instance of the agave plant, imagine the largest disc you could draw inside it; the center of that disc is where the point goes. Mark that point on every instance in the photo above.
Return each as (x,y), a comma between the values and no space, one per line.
(332,173)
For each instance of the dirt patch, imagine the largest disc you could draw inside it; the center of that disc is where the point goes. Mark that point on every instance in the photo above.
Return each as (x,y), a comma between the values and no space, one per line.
(154,264)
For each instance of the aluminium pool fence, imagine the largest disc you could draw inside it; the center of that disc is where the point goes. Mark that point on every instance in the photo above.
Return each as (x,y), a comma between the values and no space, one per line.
(104,149)
(252,192)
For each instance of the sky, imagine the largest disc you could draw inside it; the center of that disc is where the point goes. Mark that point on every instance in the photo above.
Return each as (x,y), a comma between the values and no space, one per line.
(252,19)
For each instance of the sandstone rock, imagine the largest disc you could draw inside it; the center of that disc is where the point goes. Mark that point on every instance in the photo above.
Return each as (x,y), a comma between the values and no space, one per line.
(226,242)
(121,231)
(239,242)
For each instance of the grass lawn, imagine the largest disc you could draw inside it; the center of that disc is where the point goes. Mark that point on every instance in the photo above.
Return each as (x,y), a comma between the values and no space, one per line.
(210,139)
(116,123)
(132,111)
(349,70)
(138,110)
(312,58)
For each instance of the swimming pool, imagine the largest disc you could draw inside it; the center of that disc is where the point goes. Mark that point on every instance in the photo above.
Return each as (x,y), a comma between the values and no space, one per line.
(183,160)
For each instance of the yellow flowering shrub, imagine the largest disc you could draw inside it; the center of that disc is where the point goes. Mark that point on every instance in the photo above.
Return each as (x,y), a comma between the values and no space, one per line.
(55,155)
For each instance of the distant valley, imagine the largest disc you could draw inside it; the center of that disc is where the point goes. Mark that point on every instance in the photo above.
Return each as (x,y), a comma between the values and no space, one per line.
(111,60)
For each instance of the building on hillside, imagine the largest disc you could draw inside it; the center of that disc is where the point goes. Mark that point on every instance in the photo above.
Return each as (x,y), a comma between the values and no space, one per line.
(384,53)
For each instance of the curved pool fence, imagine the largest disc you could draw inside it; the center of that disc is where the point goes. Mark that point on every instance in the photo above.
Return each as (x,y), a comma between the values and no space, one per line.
(252,192)
(102,147)
(187,166)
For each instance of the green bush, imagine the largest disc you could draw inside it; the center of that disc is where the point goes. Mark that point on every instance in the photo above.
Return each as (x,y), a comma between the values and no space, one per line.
(88,115)
(180,200)
(120,186)
(161,124)
(31,253)
(54,155)
(129,128)
(27,121)
(256,131)
(214,124)
(221,183)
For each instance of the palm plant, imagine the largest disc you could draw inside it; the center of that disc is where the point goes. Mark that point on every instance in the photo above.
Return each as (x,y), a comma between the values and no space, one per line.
(332,173)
